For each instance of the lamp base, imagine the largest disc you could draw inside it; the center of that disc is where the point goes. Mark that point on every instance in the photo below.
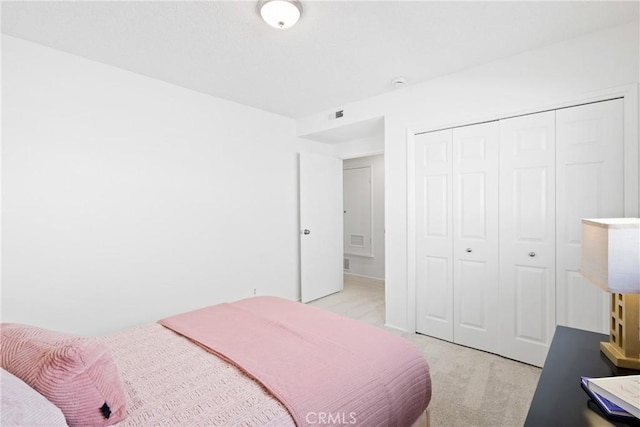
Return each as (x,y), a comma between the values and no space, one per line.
(619,359)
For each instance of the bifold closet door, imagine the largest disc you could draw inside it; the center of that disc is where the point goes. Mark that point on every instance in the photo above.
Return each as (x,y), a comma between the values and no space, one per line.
(527,236)
(476,309)
(434,241)
(590,183)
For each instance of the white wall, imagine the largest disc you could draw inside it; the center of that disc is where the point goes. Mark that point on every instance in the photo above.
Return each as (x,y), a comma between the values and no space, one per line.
(359,147)
(364,266)
(537,79)
(126,199)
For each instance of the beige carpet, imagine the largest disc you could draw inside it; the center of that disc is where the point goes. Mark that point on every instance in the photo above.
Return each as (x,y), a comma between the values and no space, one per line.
(470,387)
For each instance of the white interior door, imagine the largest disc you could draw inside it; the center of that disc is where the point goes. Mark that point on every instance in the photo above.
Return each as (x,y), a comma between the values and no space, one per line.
(590,184)
(321,250)
(434,243)
(527,236)
(476,270)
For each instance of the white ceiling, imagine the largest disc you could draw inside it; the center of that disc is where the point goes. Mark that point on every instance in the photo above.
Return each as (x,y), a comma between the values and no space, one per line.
(339,52)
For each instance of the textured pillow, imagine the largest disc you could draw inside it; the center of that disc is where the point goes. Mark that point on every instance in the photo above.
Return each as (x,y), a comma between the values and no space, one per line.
(76,374)
(20,405)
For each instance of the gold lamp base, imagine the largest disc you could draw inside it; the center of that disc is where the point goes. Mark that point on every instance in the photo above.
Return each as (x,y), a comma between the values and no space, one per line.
(623,348)
(617,358)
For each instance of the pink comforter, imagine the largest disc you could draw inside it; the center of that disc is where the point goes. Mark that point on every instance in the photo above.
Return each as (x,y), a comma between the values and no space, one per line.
(326,369)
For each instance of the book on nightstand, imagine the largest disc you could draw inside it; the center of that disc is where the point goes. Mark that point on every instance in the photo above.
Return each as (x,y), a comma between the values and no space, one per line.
(609,408)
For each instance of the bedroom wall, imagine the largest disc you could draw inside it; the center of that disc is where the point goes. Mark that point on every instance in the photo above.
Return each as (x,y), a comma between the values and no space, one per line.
(126,199)
(361,147)
(535,79)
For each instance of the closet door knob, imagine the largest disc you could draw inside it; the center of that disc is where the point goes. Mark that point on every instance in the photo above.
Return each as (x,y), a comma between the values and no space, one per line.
(532,254)
(468,249)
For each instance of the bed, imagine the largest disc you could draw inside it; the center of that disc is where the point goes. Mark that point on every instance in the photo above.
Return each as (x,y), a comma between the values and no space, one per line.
(262,361)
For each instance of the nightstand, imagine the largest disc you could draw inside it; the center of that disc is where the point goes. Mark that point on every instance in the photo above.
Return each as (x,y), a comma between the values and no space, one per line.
(559,400)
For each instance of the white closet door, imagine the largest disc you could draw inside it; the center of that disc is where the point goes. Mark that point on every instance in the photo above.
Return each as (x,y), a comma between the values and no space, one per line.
(590,183)
(475,236)
(527,236)
(434,244)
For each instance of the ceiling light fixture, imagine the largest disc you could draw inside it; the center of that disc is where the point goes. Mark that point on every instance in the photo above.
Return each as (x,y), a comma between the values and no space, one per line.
(280,14)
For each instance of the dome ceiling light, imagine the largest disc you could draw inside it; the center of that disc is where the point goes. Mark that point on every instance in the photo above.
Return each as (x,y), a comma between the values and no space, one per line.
(280,14)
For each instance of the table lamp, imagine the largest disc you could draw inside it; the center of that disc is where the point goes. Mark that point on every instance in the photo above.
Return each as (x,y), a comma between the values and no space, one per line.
(611,260)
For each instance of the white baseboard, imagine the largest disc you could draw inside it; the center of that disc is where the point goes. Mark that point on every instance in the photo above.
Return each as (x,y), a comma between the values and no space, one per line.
(366,277)
(386,325)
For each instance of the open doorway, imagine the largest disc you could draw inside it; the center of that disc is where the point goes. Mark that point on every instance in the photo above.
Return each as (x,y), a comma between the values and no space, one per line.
(363,205)
(360,144)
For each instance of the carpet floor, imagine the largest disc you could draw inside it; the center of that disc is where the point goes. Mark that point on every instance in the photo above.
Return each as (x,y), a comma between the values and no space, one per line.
(470,387)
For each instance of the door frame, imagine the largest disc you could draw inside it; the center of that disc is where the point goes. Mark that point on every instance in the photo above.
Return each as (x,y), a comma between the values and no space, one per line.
(630,94)
(359,155)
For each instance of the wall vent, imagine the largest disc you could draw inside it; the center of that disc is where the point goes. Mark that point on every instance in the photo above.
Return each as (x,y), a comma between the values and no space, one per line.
(356,240)
(347,264)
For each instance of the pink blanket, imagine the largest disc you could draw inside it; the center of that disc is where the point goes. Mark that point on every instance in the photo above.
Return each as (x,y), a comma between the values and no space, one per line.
(326,369)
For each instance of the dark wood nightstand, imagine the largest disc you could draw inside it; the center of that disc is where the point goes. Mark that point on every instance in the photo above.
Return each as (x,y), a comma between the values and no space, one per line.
(559,400)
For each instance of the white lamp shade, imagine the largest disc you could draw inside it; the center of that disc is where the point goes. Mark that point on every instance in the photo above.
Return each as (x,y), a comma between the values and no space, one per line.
(611,254)
(280,13)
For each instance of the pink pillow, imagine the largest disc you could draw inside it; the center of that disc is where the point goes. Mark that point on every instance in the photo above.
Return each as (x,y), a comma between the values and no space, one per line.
(76,374)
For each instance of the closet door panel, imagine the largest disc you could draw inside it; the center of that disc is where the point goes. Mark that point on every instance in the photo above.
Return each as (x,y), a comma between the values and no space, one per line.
(590,183)
(530,185)
(436,212)
(475,236)
(527,236)
(436,278)
(472,196)
(472,314)
(434,246)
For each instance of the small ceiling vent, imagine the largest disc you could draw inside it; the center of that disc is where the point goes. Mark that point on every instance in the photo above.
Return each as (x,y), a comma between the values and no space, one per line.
(398,82)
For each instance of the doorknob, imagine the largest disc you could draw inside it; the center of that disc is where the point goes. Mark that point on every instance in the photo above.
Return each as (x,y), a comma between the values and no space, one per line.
(469,250)
(306,231)
(532,254)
